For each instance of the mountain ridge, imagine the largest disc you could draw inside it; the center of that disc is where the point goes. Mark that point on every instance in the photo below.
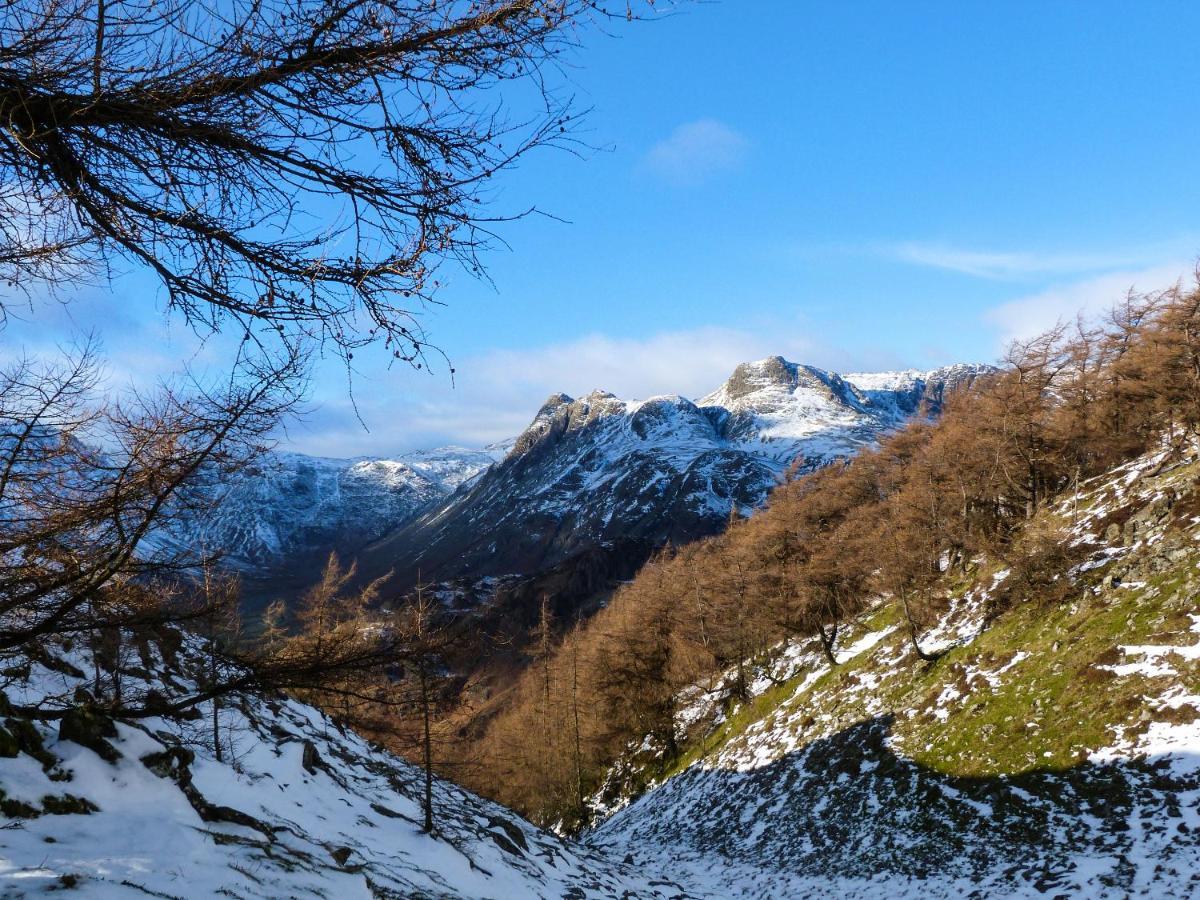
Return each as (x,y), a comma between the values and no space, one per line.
(595,481)
(292,505)
(593,470)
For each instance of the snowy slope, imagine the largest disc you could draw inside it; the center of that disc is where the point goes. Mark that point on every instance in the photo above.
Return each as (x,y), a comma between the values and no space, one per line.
(291,506)
(1052,752)
(297,809)
(600,471)
(779,409)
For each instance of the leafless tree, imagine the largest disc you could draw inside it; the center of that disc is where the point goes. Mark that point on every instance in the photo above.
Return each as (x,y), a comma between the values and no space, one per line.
(218,595)
(428,639)
(294,168)
(90,488)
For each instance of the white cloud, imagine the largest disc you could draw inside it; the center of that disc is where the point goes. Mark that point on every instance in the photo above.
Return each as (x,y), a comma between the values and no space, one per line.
(497,393)
(139,349)
(695,151)
(1003,265)
(494,395)
(1033,314)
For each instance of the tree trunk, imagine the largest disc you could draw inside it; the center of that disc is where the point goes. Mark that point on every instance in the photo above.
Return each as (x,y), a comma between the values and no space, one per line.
(827,640)
(216,723)
(579,799)
(428,751)
(116,667)
(98,58)
(95,653)
(912,631)
(212,683)
(1032,503)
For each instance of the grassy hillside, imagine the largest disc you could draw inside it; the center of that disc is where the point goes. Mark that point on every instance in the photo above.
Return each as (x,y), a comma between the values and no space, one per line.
(1009,562)
(1053,746)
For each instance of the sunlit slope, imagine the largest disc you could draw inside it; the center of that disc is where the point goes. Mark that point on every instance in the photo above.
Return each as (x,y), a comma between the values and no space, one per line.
(1053,749)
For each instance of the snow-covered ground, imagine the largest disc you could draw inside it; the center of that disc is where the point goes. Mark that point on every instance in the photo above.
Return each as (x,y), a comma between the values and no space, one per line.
(823,796)
(298,808)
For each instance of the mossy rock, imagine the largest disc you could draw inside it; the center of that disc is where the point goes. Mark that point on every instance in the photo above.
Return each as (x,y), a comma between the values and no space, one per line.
(29,740)
(173,763)
(17,809)
(8,744)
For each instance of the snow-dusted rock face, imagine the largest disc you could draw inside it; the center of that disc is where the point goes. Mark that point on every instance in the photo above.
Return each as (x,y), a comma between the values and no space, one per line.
(779,409)
(293,507)
(601,471)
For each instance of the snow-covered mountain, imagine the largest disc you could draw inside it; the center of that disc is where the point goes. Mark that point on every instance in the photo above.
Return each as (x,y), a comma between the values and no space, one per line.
(599,471)
(291,507)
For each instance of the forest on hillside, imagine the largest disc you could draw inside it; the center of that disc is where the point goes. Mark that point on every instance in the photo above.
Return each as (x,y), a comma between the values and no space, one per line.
(896,523)
(295,604)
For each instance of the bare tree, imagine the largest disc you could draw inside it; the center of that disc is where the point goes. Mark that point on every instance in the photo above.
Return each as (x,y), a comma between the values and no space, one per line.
(291,167)
(218,594)
(90,488)
(426,640)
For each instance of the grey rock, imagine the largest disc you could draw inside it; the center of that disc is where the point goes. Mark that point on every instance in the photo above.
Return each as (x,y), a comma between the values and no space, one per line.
(88,727)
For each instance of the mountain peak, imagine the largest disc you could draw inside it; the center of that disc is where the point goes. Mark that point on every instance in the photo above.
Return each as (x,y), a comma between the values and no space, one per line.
(774,382)
(752,377)
(553,403)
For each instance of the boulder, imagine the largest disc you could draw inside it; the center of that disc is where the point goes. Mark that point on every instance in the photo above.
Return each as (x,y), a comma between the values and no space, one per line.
(88,727)
(8,744)
(310,758)
(171,762)
(29,740)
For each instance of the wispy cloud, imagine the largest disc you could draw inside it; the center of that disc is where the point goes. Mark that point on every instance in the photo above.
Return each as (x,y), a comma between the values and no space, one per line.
(498,392)
(1033,314)
(493,395)
(695,151)
(139,350)
(1016,265)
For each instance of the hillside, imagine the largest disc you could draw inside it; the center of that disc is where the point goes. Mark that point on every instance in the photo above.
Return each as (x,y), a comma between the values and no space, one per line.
(282,516)
(299,807)
(962,661)
(1051,750)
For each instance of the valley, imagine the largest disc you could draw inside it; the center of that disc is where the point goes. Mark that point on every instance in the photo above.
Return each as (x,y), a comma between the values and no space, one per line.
(563,513)
(599,450)
(596,478)
(1030,730)
(869,636)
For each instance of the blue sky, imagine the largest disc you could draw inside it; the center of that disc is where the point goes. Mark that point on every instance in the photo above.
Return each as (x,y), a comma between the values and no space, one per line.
(855,185)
